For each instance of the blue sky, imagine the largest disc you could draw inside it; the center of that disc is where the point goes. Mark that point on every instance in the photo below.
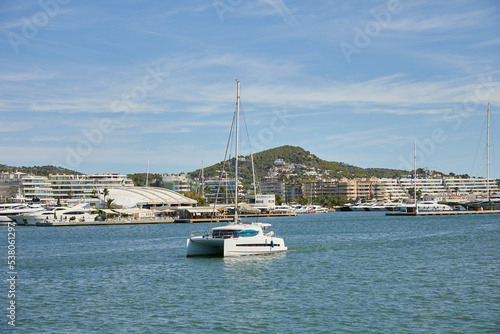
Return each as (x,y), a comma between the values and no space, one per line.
(105,86)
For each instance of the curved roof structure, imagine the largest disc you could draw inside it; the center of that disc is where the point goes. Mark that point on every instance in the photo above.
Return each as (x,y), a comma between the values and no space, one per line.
(129,197)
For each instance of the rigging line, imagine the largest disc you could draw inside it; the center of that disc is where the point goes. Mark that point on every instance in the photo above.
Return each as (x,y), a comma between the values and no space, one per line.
(230,194)
(477,150)
(493,148)
(222,171)
(251,152)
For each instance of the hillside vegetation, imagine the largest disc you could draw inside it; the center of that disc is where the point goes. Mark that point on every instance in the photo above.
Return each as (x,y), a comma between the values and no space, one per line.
(39,170)
(264,160)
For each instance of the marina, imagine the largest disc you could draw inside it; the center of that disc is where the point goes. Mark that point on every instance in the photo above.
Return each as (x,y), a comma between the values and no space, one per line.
(350,272)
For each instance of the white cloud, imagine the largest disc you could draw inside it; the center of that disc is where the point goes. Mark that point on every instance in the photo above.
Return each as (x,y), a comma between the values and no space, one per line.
(438,22)
(491,42)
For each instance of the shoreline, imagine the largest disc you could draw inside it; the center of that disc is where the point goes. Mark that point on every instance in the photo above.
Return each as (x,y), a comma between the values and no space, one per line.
(442,213)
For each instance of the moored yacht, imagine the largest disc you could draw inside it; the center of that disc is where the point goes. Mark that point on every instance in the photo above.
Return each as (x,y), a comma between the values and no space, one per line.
(316,209)
(423,206)
(283,208)
(15,212)
(49,216)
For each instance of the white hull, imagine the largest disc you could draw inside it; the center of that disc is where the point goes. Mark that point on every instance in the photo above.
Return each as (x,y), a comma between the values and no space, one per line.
(246,238)
(60,214)
(204,246)
(425,207)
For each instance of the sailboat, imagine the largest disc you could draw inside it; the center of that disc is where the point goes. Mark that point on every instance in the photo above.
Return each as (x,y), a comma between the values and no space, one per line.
(235,238)
(491,202)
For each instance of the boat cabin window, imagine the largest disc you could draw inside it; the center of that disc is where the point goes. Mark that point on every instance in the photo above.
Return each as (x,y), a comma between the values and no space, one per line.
(224,233)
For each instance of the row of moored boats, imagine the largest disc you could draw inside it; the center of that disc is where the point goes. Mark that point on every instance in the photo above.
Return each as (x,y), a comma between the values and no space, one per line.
(38,215)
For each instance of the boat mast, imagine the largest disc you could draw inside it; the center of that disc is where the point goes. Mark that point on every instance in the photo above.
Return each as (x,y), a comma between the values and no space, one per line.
(488,155)
(147,175)
(202,182)
(415,174)
(236,153)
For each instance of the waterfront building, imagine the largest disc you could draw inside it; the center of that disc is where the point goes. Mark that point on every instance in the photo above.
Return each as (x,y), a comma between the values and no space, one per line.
(321,187)
(29,187)
(273,186)
(226,191)
(148,197)
(347,188)
(390,189)
(59,187)
(82,186)
(264,202)
(180,183)
(292,191)
(475,186)
(428,186)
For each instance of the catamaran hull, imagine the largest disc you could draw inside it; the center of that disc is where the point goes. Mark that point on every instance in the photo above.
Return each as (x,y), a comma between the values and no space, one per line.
(234,246)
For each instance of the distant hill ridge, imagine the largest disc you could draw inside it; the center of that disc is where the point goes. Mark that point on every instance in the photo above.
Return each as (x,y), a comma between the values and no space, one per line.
(262,160)
(39,170)
(298,156)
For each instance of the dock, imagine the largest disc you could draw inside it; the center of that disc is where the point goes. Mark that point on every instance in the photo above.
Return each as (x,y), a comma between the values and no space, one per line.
(442,213)
(230,218)
(106,222)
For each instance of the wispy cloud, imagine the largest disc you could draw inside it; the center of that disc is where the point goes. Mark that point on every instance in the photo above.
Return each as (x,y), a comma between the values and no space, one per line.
(48,139)
(491,42)
(278,84)
(438,22)
(9,126)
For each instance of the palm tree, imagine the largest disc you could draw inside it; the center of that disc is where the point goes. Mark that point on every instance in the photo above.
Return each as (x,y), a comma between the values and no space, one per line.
(419,193)
(224,193)
(70,193)
(106,193)
(109,203)
(207,189)
(278,199)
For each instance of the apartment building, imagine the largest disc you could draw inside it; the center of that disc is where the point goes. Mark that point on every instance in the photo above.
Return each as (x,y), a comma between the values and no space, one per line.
(29,187)
(180,183)
(273,186)
(58,187)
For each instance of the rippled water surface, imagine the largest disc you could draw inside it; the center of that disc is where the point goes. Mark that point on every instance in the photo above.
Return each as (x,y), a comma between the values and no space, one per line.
(344,272)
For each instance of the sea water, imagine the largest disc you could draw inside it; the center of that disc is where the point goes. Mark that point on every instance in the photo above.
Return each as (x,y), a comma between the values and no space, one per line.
(344,272)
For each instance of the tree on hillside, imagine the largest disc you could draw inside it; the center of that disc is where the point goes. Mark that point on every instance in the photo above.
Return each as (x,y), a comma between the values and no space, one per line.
(278,199)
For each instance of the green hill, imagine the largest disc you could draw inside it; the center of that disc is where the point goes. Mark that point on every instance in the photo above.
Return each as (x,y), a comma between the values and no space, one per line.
(298,156)
(39,170)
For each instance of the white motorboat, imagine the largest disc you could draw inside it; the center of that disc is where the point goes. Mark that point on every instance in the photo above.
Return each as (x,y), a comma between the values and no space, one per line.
(433,206)
(283,208)
(76,214)
(315,209)
(235,238)
(362,206)
(424,206)
(15,212)
(297,208)
(386,205)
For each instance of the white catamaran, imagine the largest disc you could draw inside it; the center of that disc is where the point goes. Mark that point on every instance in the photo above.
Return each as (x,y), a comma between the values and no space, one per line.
(236,238)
